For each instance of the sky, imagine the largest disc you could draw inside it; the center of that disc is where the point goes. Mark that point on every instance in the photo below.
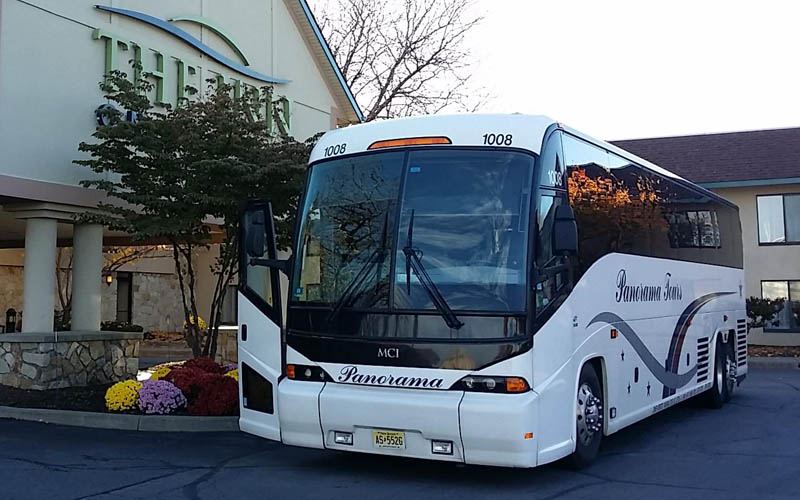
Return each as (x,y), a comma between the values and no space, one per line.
(619,69)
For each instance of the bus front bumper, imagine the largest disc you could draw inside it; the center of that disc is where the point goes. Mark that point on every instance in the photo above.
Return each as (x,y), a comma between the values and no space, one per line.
(486,429)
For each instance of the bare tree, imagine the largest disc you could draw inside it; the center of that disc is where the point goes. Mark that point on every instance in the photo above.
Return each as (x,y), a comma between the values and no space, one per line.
(403,57)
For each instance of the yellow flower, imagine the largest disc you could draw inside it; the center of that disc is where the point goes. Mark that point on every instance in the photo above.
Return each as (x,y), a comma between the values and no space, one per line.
(234,374)
(200,322)
(123,395)
(160,372)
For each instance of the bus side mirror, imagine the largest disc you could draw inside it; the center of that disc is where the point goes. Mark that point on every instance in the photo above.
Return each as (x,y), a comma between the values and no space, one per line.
(258,238)
(565,231)
(255,231)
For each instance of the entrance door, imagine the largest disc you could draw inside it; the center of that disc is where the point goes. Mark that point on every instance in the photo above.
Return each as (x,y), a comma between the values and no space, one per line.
(261,356)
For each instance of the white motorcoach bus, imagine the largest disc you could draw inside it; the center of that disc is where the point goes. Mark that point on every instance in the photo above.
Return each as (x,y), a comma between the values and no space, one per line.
(486,289)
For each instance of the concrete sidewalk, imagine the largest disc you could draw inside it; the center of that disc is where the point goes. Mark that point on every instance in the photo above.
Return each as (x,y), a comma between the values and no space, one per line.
(776,362)
(145,423)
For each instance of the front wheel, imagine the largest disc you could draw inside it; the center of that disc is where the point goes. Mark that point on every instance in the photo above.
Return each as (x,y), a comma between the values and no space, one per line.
(588,418)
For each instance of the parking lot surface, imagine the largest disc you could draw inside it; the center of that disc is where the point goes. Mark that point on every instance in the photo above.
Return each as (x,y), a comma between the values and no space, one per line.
(748,449)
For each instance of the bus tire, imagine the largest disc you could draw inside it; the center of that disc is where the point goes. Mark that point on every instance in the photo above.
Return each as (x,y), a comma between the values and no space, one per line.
(588,418)
(724,376)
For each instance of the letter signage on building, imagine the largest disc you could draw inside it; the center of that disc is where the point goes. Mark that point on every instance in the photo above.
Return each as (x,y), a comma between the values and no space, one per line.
(176,78)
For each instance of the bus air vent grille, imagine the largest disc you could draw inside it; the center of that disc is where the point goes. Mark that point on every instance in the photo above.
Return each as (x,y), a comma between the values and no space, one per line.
(741,342)
(702,359)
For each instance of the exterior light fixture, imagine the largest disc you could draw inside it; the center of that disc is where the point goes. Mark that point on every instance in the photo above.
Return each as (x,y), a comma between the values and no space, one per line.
(109,279)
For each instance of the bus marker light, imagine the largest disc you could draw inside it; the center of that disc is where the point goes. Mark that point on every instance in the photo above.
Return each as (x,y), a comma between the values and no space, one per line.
(614,333)
(528,435)
(516,384)
(410,141)
(343,437)
(442,447)
(290,371)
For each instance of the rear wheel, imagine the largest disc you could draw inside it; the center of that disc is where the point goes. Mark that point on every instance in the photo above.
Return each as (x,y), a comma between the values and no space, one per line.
(588,418)
(724,376)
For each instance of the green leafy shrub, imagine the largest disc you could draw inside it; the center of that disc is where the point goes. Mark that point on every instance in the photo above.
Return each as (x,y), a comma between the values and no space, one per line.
(761,312)
(120,326)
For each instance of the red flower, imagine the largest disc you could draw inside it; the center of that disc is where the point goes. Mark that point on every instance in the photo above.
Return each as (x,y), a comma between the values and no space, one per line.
(218,395)
(204,364)
(189,380)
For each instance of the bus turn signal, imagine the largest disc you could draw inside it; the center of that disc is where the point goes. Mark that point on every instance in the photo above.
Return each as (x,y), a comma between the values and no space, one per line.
(516,384)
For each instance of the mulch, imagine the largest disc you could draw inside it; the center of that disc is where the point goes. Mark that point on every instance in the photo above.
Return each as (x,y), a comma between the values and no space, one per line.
(72,398)
(91,398)
(158,338)
(769,351)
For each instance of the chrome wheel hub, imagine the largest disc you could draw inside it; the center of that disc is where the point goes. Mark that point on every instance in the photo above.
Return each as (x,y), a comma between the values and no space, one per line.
(589,414)
(730,371)
(719,375)
(725,374)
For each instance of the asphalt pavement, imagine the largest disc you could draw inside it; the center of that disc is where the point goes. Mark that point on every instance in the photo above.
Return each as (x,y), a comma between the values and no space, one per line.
(749,449)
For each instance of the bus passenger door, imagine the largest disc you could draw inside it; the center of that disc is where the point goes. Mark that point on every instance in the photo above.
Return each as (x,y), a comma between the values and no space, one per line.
(261,351)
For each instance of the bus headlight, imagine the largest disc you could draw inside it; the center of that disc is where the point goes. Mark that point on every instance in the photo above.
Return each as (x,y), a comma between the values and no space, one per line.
(504,385)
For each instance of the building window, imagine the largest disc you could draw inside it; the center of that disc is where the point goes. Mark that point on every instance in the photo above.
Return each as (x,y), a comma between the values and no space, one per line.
(788,318)
(124,297)
(229,315)
(778,219)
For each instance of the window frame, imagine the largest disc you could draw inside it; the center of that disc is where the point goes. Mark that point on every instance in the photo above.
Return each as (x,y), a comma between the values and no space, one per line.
(758,224)
(273,311)
(230,294)
(788,282)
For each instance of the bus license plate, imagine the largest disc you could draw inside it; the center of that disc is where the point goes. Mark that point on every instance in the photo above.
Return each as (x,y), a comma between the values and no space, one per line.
(389,439)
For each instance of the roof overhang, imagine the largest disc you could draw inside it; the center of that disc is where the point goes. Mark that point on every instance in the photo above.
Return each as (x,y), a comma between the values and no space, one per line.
(307,24)
(750,183)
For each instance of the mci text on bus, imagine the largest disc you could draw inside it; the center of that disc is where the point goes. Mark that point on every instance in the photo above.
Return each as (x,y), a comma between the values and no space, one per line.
(486,289)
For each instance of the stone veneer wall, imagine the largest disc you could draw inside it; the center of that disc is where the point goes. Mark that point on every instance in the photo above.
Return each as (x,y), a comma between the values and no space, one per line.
(157,302)
(72,359)
(156,299)
(227,348)
(108,301)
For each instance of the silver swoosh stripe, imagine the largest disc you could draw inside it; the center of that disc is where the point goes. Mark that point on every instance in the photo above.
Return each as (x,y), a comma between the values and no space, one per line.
(667,378)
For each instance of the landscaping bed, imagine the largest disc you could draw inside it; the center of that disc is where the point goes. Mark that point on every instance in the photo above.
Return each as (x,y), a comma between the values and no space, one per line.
(769,351)
(72,398)
(199,387)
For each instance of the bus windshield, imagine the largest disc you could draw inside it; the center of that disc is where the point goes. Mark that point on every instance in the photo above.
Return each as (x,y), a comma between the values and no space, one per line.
(460,213)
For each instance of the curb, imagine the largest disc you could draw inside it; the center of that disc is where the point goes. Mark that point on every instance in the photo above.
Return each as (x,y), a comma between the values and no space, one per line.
(143,423)
(776,362)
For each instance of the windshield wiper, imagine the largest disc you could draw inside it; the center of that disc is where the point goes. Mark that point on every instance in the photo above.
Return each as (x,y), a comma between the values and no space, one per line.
(413,261)
(376,257)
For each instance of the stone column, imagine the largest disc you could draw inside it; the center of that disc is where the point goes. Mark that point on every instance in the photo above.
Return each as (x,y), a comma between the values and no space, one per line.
(39,275)
(87,267)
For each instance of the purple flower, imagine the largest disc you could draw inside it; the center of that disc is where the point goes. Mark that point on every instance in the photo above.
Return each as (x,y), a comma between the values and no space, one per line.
(160,397)
(230,368)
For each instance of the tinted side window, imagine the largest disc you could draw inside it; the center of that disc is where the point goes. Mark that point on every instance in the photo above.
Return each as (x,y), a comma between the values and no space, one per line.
(594,197)
(580,154)
(623,207)
(552,270)
(551,172)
